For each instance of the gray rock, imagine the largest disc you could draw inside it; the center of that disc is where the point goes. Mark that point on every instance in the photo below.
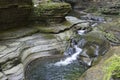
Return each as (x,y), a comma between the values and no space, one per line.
(38,49)
(2,76)
(11,63)
(2,48)
(11,52)
(73,20)
(15,73)
(93,18)
(14,70)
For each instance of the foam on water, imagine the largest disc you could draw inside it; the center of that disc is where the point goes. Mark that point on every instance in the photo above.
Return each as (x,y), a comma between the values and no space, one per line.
(81,32)
(70,59)
(35,5)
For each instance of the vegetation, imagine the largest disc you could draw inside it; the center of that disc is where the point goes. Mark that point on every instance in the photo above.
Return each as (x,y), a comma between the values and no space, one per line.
(112,67)
(43,8)
(52,5)
(110,30)
(50,12)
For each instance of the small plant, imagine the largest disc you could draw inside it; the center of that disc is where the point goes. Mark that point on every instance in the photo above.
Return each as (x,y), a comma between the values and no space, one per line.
(112,67)
(111,37)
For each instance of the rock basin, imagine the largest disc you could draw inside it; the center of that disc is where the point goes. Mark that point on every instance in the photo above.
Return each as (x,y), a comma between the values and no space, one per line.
(45,69)
(72,65)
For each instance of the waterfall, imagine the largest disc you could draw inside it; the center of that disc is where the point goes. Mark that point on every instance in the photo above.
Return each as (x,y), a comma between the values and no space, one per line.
(70,59)
(81,32)
(74,55)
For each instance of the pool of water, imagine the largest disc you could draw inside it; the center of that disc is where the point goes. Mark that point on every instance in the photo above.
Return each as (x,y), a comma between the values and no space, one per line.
(77,58)
(45,68)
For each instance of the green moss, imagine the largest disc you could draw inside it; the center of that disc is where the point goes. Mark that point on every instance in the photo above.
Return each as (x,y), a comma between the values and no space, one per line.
(111,37)
(92,9)
(48,8)
(110,30)
(112,67)
(96,37)
(110,11)
(45,28)
(115,24)
(66,23)
(51,5)
(17,32)
(49,36)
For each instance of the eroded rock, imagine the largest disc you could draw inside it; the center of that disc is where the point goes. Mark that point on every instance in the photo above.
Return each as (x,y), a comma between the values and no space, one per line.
(14,12)
(15,73)
(97,72)
(50,12)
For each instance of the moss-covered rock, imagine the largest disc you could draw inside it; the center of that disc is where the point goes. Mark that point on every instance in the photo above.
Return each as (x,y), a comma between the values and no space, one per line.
(111,31)
(17,32)
(98,72)
(112,9)
(51,12)
(112,67)
(108,11)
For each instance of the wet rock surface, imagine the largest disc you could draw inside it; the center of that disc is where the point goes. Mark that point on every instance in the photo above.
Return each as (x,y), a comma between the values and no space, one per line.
(97,72)
(20,46)
(90,51)
(16,51)
(46,67)
(94,46)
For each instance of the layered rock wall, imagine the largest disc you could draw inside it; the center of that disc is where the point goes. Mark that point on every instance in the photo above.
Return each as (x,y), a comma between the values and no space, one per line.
(14,12)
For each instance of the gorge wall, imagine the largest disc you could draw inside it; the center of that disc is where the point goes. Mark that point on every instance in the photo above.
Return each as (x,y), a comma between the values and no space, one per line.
(14,13)
(21,41)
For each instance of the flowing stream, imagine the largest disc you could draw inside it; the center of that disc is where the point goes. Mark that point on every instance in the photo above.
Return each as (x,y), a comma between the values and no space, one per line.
(70,59)
(56,67)
(71,65)
(47,70)
(78,56)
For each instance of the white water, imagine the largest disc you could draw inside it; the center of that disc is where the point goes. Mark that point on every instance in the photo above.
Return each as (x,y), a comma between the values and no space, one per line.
(74,20)
(35,5)
(36,2)
(70,59)
(73,57)
(81,32)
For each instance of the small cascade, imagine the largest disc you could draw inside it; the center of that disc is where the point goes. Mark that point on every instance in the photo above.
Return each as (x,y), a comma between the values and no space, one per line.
(79,55)
(81,32)
(70,59)
(73,55)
